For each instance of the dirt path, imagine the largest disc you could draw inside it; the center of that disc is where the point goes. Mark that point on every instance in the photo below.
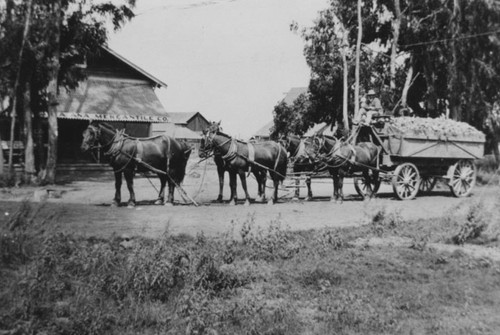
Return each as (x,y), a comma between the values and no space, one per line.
(83,206)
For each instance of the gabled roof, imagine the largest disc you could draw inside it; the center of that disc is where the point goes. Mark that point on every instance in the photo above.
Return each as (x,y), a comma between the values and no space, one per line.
(294,94)
(157,81)
(183,118)
(266,130)
(111,99)
(175,131)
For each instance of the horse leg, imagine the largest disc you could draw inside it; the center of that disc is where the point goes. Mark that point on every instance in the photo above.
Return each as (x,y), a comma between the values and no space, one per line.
(258,178)
(309,191)
(118,185)
(276,184)
(161,194)
(129,178)
(335,180)
(220,172)
(244,185)
(170,197)
(341,186)
(233,185)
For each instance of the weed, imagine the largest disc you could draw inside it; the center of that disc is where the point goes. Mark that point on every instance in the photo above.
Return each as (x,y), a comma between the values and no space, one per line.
(382,220)
(476,221)
(274,242)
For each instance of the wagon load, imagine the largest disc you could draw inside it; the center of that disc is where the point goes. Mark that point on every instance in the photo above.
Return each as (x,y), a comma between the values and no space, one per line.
(434,138)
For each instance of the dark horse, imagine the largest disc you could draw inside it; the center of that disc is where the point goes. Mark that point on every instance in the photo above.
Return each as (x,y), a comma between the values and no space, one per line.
(162,154)
(343,159)
(302,155)
(241,157)
(222,167)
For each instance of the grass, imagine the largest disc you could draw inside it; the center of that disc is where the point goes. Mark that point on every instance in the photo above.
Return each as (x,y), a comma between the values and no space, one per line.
(268,281)
(487,171)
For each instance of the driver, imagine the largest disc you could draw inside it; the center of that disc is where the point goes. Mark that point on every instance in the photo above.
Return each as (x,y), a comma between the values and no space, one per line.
(370,106)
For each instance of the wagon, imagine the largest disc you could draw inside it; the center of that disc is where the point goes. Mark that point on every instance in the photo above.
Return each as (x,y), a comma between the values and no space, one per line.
(414,162)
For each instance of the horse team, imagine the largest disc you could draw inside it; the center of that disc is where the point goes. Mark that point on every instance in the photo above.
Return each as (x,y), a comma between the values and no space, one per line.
(168,157)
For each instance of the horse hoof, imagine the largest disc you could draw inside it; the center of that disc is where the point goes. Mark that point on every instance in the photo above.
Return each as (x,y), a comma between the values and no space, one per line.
(219,199)
(270,202)
(115,204)
(308,199)
(168,204)
(159,202)
(131,205)
(232,203)
(295,199)
(247,203)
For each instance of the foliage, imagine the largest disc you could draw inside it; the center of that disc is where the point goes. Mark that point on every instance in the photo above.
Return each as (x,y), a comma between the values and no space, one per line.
(451,46)
(476,222)
(219,285)
(292,119)
(81,31)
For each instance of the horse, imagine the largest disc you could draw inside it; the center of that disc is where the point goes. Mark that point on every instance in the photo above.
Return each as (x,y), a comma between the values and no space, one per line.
(342,159)
(241,157)
(162,154)
(222,167)
(303,157)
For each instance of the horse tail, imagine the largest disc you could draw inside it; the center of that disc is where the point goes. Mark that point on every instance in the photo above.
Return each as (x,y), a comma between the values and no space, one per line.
(184,153)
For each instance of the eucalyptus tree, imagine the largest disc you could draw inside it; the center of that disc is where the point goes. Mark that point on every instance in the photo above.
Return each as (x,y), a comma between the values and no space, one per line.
(62,34)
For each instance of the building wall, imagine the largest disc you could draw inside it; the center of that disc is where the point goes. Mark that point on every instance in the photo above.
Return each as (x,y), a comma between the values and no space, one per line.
(198,124)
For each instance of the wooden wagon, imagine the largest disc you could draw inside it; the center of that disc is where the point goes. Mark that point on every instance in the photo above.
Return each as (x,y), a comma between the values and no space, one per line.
(413,163)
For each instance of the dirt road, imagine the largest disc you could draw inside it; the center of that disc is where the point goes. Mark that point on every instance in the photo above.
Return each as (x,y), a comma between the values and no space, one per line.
(82,206)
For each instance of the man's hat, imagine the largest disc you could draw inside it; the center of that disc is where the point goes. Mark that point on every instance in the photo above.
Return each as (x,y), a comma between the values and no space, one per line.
(371,92)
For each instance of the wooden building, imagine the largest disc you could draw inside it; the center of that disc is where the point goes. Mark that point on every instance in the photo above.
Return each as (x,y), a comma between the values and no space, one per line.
(116,91)
(194,121)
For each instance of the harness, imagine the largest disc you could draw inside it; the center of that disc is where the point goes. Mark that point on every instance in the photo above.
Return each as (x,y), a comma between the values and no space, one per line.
(232,153)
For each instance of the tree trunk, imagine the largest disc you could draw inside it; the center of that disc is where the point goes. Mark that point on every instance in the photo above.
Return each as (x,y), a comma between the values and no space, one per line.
(358,52)
(453,91)
(29,157)
(396,24)
(52,90)
(404,96)
(1,156)
(16,84)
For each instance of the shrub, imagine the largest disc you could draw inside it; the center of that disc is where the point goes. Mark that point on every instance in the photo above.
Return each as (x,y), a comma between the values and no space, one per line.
(271,243)
(382,220)
(476,221)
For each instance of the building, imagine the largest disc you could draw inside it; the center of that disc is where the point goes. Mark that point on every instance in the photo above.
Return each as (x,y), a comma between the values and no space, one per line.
(194,121)
(116,91)
(264,133)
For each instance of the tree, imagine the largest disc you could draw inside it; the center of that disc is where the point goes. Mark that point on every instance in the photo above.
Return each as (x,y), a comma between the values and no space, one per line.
(294,119)
(64,33)
(451,50)
(326,49)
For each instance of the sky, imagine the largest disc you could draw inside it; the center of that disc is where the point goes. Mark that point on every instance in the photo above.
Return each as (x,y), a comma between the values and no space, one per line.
(231,60)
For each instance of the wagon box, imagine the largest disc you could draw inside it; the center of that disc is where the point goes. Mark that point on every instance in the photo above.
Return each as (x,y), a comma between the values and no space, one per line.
(433,138)
(434,147)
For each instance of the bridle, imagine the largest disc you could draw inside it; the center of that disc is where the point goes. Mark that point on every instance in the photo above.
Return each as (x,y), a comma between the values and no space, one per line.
(96,130)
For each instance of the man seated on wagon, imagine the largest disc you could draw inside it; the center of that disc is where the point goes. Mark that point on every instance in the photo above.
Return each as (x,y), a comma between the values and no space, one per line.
(370,106)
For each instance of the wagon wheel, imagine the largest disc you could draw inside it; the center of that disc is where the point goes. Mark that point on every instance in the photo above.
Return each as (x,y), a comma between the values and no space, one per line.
(361,186)
(406,181)
(427,184)
(463,178)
